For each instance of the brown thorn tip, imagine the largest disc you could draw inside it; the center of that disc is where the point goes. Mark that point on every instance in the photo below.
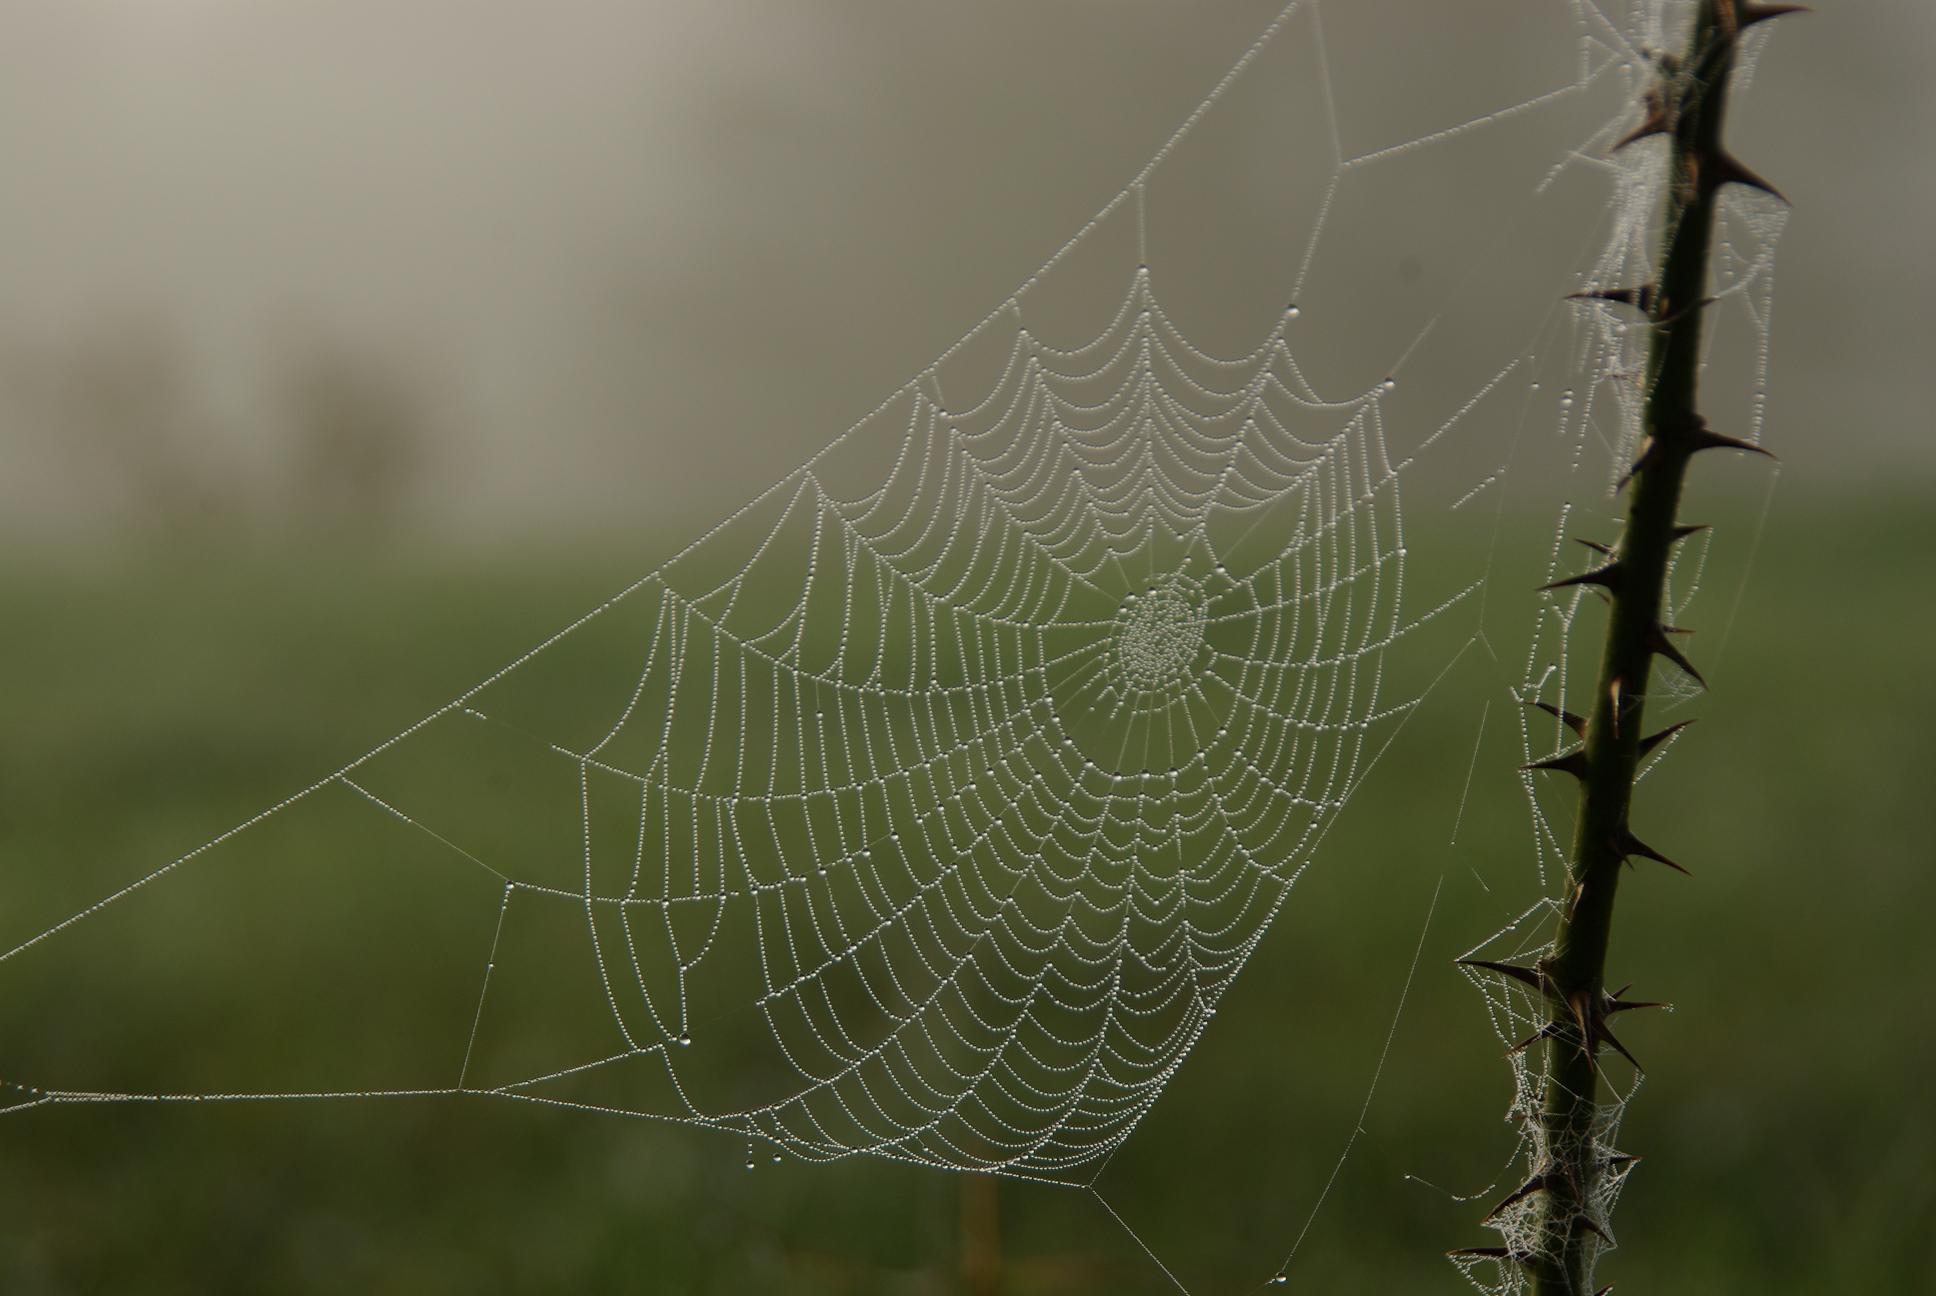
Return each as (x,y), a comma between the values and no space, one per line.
(1576,723)
(1605,550)
(1747,15)
(1678,316)
(1659,643)
(1729,169)
(1607,1037)
(1522,974)
(1652,741)
(1544,1032)
(1607,576)
(1544,1181)
(1573,763)
(1641,298)
(1703,439)
(1630,845)
(1655,123)
(1681,532)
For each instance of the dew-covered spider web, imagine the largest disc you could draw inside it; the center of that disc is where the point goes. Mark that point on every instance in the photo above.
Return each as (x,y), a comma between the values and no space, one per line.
(928,806)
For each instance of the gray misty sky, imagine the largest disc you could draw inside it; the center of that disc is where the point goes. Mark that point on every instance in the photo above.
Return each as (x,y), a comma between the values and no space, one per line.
(610,262)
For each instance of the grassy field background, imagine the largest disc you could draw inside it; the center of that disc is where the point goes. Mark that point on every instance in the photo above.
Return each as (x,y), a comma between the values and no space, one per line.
(154,699)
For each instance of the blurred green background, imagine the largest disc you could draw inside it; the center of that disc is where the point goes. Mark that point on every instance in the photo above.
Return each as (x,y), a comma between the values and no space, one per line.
(292,455)
(1787,1146)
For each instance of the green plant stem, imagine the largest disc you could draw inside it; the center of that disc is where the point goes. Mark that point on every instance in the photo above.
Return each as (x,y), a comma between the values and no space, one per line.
(1574,969)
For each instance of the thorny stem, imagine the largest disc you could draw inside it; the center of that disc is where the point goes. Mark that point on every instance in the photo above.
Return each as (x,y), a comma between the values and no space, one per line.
(1689,110)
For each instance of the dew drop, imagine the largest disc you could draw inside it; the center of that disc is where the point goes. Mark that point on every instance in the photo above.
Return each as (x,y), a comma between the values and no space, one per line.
(1292,311)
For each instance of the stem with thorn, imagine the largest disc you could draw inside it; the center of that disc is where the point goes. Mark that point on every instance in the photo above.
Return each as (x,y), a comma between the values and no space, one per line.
(1688,108)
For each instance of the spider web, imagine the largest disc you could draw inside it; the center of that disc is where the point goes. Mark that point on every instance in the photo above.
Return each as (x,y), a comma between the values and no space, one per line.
(927,806)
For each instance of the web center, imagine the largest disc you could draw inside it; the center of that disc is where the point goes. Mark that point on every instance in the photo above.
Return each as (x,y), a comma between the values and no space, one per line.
(1158,635)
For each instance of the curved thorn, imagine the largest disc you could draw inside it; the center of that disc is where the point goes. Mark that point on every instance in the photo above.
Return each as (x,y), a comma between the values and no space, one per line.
(1528,976)
(1489,1253)
(1574,763)
(1574,722)
(1544,1032)
(1705,439)
(1641,298)
(1725,168)
(1631,846)
(1607,1037)
(1674,317)
(1747,15)
(1654,123)
(1659,644)
(1607,576)
(1654,740)
(1544,1181)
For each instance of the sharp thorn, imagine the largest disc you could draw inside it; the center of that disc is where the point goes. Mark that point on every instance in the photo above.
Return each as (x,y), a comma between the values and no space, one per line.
(1703,439)
(1641,299)
(1606,576)
(1604,550)
(1630,846)
(1483,1253)
(1660,644)
(1586,1222)
(1544,1032)
(1683,531)
(1526,975)
(1674,317)
(1604,1290)
(1616,1003)
(1725,168)
(1652,741)
(1584,1021)
(1654,123)
(1607,1037)
(1573,762)
(1544,1181)
(1747,15)
(1574,722)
